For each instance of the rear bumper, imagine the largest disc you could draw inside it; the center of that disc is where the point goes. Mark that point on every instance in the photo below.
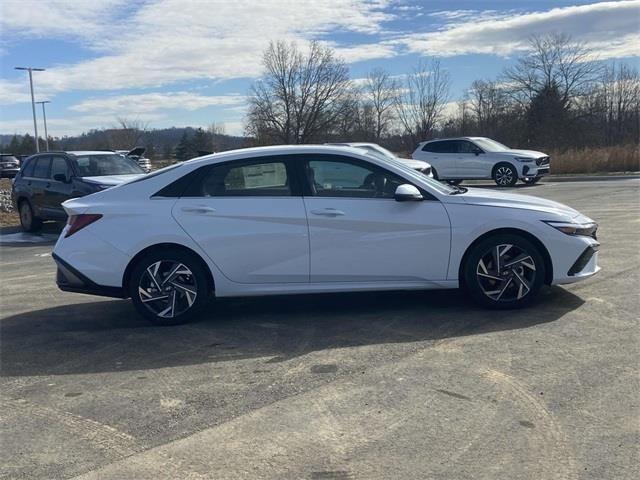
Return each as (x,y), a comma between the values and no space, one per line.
(69,279)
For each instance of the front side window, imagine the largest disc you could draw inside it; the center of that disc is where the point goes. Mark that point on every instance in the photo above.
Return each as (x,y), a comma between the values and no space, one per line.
(41,168)
(106,164)
(59,166)
(346,178)
(465,146)
(243,180)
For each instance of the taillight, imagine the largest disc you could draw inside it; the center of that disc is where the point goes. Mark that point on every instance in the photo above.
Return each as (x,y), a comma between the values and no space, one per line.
(78,222)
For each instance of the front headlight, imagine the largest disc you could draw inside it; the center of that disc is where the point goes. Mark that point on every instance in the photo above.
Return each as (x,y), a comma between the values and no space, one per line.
(524,159)
(583,229)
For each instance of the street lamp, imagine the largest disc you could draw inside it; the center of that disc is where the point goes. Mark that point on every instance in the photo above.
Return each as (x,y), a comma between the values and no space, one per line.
(44,116)
(33,104)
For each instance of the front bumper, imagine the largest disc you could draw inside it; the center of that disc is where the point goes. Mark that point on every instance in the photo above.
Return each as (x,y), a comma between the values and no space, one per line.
(584,266)
(535,171)
(69,279)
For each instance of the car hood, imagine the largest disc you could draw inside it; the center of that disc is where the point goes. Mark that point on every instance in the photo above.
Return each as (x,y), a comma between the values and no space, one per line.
(522,153)
(489,198)
(112,180)
(415,164)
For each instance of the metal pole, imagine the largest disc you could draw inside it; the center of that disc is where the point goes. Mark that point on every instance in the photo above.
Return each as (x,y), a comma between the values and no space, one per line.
(33,107)
(33,103)
(44,117)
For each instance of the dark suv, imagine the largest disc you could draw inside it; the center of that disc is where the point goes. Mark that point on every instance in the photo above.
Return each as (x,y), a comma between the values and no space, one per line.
(48,179)
(9,165)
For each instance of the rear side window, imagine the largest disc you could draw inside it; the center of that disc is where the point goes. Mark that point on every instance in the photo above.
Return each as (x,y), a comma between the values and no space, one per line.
(242,179)
(27,171)
(41,168)
(447,146)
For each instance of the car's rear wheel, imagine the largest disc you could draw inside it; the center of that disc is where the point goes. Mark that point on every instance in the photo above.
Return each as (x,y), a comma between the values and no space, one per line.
(169,287)
(454,182)
(28,220)
(504,271)
(505,175)
(531,180)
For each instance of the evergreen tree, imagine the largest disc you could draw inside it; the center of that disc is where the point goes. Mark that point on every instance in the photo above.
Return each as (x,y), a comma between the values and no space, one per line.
(548,120)
(184,148)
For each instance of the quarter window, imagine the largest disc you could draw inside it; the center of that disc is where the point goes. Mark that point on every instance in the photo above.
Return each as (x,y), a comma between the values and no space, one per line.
(346,178)
(41,169)
(243,180)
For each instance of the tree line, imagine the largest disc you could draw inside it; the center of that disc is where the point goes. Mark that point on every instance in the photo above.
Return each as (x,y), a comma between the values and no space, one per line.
(556,96)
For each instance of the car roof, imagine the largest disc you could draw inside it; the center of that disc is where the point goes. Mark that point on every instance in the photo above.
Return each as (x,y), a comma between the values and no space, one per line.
(90,152)
(277,150)
(453,138)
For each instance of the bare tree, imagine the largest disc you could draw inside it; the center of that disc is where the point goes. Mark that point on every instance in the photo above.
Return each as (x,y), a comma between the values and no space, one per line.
(128,133)
(421,100)
(380,91)
(487,102)
(300,96)
(553,61)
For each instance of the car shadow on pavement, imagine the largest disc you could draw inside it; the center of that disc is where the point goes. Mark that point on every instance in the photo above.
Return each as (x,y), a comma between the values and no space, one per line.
(15,237)
(108,336)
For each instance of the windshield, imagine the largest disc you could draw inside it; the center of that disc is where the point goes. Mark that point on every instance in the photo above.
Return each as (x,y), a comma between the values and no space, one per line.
(106,164)
(489,145)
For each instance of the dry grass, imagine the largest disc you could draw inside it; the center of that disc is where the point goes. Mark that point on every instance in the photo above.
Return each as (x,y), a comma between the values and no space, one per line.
(622,158)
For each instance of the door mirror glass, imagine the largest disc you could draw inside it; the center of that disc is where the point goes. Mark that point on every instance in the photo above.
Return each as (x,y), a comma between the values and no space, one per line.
(61,177)
(407,193)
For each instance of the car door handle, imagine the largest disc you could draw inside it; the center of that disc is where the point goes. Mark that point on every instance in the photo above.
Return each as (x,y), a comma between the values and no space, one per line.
(199,210)
(328,212)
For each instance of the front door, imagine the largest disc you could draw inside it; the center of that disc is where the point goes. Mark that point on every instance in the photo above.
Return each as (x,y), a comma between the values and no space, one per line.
(360,233)
(250,220)
(58,191)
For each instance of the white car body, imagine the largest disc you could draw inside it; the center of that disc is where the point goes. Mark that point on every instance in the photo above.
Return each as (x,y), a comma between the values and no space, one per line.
(306,243)
(381,152)
(477,157)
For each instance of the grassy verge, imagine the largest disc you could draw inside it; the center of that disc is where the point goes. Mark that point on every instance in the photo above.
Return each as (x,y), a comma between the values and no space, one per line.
(7,218)
(622,158)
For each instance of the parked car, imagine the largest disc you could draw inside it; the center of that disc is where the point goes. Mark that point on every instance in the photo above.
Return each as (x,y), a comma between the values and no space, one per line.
(304,219)
(48,179)
(137,154)
(9,165)
(384,154)
(458,159)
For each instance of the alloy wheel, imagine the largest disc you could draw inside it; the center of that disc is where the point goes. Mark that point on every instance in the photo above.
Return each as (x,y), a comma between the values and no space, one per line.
(504,176)
(167,288)
(506,273)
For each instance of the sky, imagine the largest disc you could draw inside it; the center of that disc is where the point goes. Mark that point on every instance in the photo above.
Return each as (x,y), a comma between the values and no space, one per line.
(191,62)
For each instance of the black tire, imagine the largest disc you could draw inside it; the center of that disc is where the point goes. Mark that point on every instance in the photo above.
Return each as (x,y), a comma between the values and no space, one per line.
(434,172)
(184,307)
(531,180)
(28,221)
(497,286)
(505,175)
(454,182)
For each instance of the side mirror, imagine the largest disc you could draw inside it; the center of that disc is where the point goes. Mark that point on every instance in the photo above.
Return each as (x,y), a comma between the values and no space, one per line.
(408,193)
(61,177)
(477,151)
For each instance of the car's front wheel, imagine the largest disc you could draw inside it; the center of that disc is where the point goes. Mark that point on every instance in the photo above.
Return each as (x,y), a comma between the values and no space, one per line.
(504,271)
(28,220)
(169,287)
(505,175)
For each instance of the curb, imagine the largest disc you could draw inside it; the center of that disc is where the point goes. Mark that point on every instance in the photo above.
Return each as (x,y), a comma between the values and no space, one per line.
(588,178)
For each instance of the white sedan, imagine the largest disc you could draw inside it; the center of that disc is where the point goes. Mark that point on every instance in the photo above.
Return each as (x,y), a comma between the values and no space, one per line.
(304,219)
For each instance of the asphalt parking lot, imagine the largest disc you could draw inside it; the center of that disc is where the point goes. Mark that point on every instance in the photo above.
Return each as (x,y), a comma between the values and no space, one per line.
(369,386)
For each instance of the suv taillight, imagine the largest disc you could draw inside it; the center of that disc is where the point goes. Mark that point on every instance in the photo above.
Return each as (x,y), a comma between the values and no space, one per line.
(78,222)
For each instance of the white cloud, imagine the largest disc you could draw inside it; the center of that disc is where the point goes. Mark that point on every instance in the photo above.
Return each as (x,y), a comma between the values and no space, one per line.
(168,41)
(611,28)
(152,102)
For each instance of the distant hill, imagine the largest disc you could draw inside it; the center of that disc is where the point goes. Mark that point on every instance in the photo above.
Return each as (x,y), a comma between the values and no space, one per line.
(160,143)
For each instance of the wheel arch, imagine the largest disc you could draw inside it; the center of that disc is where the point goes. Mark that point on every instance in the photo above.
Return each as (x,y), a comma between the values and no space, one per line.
(160,247)
(548,265)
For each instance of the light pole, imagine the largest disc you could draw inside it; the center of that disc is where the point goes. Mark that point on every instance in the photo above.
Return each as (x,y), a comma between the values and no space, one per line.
(33,103)
(44,117)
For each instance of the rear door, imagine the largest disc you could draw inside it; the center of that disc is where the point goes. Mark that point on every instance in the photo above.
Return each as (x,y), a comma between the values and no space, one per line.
(249,217)
(360,233)
(57,191)
(38,182)
(443,156)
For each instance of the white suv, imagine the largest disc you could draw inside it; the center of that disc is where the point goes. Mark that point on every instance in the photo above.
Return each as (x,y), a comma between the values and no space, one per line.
(465,158)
